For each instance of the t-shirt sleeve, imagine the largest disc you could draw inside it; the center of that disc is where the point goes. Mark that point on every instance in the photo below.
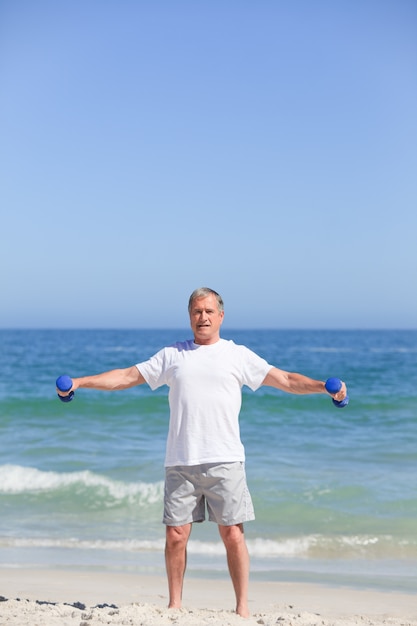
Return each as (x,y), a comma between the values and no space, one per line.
(254,368)
(153,370)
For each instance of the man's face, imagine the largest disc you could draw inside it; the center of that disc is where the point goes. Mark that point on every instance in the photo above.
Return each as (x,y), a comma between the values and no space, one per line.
(206,319)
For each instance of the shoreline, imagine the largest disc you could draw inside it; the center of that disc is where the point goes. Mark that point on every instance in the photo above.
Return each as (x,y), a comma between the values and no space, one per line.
(64,597)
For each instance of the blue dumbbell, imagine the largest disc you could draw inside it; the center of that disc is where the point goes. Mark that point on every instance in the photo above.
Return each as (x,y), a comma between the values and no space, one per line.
(64,383)
(333,385)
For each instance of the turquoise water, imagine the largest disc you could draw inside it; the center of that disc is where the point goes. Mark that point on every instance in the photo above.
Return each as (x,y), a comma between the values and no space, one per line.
(335,490)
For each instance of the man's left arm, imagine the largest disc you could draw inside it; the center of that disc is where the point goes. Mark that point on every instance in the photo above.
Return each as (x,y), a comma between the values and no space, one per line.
(292,382)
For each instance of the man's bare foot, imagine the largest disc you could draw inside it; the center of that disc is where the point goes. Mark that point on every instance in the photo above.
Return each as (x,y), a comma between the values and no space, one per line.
(243,611)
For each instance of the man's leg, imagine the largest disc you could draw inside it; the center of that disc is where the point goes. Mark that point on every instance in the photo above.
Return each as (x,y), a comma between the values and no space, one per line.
(176,561)
(238,562)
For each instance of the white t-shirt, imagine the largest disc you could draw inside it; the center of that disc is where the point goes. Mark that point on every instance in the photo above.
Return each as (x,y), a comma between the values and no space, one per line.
(205,396)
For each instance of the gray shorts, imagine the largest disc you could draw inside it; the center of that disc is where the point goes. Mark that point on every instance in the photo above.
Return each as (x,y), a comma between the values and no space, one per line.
(222,486)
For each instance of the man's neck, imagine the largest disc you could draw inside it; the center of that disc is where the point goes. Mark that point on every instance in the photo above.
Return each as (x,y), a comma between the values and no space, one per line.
(206,342)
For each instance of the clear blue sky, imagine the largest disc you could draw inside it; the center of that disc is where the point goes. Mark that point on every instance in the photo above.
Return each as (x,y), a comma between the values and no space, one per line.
(266,149)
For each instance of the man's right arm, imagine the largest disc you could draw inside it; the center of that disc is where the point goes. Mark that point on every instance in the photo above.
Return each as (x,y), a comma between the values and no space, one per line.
(112,380)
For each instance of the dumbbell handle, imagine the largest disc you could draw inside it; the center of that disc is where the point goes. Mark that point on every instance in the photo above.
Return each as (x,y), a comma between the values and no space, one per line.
(333,385)
(64,383)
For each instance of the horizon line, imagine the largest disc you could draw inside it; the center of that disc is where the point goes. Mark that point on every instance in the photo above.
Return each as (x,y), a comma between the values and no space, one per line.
(183,329)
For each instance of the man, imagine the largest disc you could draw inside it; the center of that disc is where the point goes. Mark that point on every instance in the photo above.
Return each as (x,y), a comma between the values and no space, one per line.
(204,463)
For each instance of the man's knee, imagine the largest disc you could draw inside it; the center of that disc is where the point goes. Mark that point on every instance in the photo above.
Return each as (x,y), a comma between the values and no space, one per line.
(232,535)
(177,536)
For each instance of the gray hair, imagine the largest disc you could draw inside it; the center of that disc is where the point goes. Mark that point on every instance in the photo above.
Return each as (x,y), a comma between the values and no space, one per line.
(203,292)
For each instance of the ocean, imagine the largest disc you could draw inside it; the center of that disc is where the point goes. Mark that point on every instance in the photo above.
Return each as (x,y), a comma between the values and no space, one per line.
(334,490)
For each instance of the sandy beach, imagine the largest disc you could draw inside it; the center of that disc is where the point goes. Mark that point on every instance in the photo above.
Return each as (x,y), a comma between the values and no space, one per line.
(60,598)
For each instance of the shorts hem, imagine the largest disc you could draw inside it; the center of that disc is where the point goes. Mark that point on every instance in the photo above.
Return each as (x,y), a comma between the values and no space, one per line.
(232,523)
(188,521)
